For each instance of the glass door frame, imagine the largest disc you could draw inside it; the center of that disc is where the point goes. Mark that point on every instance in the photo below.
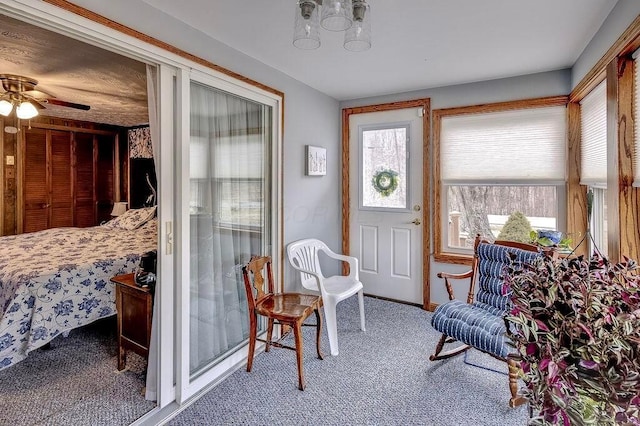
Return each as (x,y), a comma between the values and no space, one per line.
(187,387)
(174,70)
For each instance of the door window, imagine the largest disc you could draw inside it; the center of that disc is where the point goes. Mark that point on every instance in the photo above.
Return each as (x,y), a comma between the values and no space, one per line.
(385,166)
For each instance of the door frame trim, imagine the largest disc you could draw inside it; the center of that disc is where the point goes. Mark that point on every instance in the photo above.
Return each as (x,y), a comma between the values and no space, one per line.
(425,103)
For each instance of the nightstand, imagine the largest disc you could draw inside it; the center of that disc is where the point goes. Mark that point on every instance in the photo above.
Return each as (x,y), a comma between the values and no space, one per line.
(135,307)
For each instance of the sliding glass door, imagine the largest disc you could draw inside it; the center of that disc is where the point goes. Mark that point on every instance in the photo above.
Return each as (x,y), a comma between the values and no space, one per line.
(231,214)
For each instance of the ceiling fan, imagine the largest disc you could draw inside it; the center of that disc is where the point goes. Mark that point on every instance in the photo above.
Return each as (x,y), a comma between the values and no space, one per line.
(20,91)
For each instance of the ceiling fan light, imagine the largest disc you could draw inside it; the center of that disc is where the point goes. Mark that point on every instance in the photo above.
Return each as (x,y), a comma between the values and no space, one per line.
(358,37)
(5,107)
(26,110)
(337,15)
(307,26)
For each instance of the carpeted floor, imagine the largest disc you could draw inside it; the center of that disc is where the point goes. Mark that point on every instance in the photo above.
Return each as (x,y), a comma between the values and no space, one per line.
(381,377)
(75,383)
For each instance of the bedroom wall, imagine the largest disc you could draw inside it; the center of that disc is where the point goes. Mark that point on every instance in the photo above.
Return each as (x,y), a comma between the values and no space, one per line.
(507,89)
(311,204)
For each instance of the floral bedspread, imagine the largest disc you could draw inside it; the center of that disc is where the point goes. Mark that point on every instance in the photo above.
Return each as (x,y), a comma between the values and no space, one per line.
(59,279)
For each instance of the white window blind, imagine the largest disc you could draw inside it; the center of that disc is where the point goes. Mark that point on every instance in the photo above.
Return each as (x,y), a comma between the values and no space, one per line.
(593,150)
(507,146)
(636,120)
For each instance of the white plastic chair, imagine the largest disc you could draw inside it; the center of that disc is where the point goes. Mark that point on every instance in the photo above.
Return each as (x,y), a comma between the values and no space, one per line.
(303,256)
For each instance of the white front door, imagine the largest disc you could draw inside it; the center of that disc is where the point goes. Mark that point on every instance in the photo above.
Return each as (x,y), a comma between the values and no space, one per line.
(385,229)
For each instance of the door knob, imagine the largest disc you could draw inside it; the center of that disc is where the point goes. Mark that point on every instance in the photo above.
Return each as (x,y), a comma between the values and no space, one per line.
(416,221)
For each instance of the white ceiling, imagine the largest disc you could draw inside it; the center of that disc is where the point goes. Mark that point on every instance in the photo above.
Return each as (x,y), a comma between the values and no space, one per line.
(417,44)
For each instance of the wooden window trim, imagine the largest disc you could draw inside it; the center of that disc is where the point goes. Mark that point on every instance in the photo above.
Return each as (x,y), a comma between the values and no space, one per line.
(439,254)
(623,233)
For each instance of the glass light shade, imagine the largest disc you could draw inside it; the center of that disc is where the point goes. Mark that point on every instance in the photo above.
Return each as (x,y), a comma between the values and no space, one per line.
(358,37)
(26,110)
(337,15)
(119,207)
(5,107)
(307,30)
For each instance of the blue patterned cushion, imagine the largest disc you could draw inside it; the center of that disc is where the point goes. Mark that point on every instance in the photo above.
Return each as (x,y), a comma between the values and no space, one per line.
(474,325)
(481,324)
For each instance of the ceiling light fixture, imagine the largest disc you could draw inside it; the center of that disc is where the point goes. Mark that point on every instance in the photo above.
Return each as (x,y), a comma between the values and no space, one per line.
(351,16)
(24,109)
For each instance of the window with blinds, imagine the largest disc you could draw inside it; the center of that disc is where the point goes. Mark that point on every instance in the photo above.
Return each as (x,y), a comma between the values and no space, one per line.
(593,160)
(593,124)
(495,168)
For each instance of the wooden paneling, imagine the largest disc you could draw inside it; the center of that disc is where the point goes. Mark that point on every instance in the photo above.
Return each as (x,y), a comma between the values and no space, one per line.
(576,193)
(628,196)
(613,219)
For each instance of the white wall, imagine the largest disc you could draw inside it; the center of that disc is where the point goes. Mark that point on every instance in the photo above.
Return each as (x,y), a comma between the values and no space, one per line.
(622,15)
(529,86)
(311,204)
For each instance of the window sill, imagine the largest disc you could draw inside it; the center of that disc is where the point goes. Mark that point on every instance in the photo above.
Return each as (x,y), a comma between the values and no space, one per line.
(454,258)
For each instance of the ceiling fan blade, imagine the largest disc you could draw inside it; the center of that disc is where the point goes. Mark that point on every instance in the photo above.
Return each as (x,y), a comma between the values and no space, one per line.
(36,103)
(68,104)
(39,94)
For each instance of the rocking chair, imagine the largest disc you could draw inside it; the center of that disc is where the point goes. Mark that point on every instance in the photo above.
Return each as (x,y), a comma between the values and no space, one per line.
(480,323)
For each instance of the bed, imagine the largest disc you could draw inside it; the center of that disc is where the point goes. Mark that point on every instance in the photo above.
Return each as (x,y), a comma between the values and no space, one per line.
(58,279)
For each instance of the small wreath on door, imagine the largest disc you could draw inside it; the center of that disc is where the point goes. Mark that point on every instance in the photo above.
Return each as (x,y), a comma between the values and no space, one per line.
(385,182)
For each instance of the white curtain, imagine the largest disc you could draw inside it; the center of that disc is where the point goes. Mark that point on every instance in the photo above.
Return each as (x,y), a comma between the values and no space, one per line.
(152,366)
(229,220)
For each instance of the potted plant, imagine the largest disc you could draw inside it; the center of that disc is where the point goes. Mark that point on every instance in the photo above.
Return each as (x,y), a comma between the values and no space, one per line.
(575,324)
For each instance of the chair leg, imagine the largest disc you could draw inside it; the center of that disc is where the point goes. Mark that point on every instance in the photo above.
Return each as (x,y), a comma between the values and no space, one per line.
(332,326)
(297,330)
(438,354)
(318,331)
(253,329)
(361,303)
(516,399)
(269,334)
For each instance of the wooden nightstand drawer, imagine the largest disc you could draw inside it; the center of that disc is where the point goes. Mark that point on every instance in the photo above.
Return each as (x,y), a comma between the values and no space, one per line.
(135,307)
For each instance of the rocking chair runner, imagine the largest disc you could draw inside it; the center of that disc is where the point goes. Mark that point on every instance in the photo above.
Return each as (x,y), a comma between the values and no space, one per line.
(480,323)
(290,309)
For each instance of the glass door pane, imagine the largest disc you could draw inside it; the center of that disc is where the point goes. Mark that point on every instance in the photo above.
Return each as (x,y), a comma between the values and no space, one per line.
(385,167)
(229,216)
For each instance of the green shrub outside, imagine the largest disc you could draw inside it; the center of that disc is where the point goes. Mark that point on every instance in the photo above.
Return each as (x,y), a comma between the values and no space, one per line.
(516,228)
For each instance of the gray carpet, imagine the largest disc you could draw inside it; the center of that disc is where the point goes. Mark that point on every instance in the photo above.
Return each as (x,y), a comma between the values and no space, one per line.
(381,377)
(75,383)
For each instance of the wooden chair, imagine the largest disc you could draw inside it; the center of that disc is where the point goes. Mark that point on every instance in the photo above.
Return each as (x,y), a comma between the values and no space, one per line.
(480,323)
(290,309)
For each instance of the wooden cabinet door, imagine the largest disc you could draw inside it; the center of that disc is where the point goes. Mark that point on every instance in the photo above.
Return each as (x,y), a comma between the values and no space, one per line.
(61,198)
(105,183)
(68,178)
(85,214)
(36,181)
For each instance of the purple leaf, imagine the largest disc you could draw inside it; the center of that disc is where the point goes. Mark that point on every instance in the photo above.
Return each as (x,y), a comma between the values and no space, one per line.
(591,365)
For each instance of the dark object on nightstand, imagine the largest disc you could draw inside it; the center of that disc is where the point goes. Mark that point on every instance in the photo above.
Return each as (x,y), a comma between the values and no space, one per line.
(145,275)
(134,305)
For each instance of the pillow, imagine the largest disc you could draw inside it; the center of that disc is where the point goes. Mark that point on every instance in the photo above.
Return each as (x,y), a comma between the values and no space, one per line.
(132,219)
